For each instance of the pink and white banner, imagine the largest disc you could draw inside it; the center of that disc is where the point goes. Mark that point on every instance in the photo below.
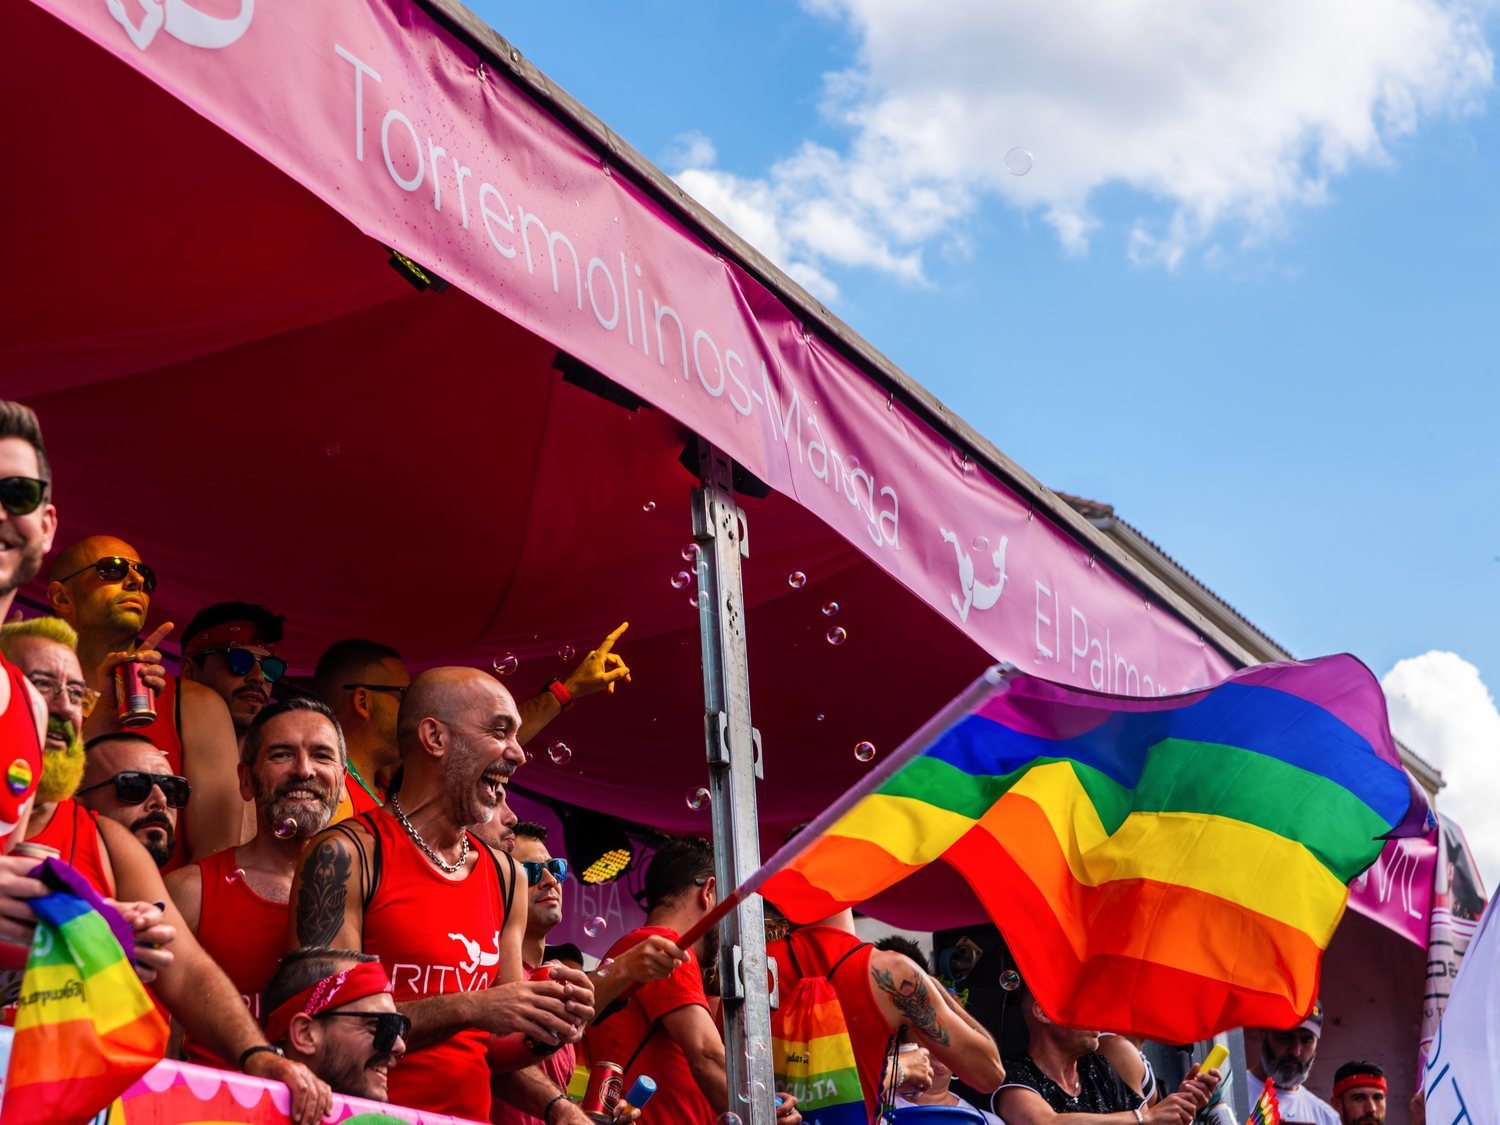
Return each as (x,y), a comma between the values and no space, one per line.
(397,126)
(1397,890)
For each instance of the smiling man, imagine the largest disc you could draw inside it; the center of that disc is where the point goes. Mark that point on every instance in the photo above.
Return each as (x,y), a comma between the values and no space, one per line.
(236,902)
(231,648)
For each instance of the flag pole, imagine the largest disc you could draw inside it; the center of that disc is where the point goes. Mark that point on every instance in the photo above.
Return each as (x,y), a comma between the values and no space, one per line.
(990,683)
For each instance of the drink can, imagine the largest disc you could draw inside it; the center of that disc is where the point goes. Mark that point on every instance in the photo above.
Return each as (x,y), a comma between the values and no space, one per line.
(606,1084)
(137,700)
(542,1050)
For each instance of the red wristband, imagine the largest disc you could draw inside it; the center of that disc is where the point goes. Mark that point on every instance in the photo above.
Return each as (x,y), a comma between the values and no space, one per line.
(563,696)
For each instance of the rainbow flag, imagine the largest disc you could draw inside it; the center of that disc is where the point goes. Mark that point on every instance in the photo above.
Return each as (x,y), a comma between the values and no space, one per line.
(85,1027)
(1169,867)
(1267,1108)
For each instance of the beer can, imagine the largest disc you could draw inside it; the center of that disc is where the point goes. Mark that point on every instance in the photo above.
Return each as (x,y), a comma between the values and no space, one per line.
(542,1050)
(137,700)
(606,1084)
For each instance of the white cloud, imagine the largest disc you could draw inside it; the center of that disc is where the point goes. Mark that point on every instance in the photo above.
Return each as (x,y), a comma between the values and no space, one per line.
(1440,707)
(1216,115)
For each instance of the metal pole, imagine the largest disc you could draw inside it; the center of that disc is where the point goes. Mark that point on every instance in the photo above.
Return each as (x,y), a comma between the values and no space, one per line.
(719,530)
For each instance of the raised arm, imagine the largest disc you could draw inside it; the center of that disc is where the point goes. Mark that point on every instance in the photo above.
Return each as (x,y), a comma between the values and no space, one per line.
(217,816)
(599,670)
(908,995)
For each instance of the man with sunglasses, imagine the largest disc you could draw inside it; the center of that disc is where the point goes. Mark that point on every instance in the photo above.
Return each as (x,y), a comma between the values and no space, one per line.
(331,1009)
(127,779)
(236,902)
(101,587)
(231,648)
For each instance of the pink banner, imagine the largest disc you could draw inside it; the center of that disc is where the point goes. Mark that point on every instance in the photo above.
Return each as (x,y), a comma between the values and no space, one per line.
(1397,890)
(393,123)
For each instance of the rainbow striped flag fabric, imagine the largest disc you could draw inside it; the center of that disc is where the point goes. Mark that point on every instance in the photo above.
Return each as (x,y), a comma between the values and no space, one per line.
(85,1027)
(1267,1108)
(1169,867)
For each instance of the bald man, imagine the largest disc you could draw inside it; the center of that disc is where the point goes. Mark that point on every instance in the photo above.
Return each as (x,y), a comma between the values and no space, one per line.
(101,587)
(410,883)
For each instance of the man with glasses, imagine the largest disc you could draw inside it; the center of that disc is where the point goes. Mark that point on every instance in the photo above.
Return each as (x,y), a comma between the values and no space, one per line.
(101,587)
(127,779)
(331,1009)
(236,902)
(231,648)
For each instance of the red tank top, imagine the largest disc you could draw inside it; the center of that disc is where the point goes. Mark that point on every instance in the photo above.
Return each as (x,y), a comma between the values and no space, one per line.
(435,936)
(73,832)
(244,933)
(166,733)
(20,749)
(817,950)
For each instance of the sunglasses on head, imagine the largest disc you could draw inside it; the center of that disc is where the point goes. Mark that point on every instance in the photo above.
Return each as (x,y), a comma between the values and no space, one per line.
(132,787)
(385,1027)
(535,867)
(113,568)
(241,660)
(20,496)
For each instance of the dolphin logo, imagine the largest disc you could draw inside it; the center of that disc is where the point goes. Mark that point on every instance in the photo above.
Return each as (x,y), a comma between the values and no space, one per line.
(977,595)
(181,21)
(476,958)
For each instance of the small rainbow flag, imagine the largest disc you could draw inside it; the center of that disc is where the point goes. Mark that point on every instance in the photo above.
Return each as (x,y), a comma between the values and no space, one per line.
(1168,867)
(1267,1108)
(85,1027)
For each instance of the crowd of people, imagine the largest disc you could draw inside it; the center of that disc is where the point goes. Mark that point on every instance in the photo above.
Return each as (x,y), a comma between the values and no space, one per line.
(328,888)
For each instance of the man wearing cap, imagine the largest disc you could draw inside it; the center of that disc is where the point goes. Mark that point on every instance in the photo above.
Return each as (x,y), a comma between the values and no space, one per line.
(1286,1058)
(1359,1093)
(331,1010)
(231,648)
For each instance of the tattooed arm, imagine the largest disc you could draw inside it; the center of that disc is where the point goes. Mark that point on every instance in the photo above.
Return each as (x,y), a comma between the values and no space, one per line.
(908,996)
(328,892)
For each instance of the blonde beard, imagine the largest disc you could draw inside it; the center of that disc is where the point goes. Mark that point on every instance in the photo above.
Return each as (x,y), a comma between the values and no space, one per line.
(62,770)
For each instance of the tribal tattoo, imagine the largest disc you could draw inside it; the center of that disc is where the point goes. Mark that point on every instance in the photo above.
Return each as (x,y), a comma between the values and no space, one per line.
(913,999)
(320,903)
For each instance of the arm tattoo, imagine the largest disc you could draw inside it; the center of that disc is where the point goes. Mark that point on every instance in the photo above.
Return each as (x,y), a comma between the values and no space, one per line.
(320,904)
(914,1001)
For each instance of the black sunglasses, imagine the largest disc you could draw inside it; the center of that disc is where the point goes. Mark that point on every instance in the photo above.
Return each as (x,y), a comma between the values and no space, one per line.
(398,689)
(132,787)
(535,867)
(113,568)
(241,660)
(386,1027)
(20,496)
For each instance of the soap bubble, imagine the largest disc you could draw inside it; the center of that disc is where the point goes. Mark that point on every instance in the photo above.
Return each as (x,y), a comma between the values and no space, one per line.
(680,579)
(333,449)
(505,665)
(864,751)
(1018,161)
(566,653)
(837,635)
(285,828)
(595,926)
(729,1118)
(237,875)
(697,798)
(603,967)
(821,716)
(693,600)
(981,543)
(1010,980)
(690,553)
(830,608)
(649,506)
(560,753)
(796,580)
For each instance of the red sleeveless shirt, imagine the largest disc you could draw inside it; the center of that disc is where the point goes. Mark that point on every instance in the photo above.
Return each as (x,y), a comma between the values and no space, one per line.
(166,733)
(20,748)
(436,936)
(73,832)
(244,933)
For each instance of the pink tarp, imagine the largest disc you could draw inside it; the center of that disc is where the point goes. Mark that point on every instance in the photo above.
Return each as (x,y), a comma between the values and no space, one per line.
(231,378)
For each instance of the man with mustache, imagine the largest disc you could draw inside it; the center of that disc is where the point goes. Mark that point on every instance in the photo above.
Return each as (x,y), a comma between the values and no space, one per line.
(101,587)
(236,902)
(1286,1057)
(411,884)
(231,648)
(1359,1093)
(126,778)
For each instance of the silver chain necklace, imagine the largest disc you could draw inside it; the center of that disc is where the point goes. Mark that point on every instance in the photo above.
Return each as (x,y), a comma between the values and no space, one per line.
(450,868)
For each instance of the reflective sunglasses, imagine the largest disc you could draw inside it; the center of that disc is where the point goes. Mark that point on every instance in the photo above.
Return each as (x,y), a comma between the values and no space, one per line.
(535,867)
(113,568)
(241,660)
(78,693)
(20,496)
(385,1027)
(132,787)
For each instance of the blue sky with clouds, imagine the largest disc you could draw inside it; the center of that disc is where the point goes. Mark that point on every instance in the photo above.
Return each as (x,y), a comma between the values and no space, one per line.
(1247,291)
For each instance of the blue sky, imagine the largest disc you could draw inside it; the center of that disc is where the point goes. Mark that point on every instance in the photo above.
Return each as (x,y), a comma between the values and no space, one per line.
(1246,293)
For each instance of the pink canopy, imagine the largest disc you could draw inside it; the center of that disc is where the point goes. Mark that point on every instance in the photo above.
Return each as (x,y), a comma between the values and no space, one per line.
(232,378)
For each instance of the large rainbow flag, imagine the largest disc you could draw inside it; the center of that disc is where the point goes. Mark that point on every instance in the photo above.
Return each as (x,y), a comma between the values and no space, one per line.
(1169,867)
(85,1027)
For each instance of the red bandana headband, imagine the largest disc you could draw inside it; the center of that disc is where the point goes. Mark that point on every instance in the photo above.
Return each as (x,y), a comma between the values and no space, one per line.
(365,979)
(232,634)
(1359,1082)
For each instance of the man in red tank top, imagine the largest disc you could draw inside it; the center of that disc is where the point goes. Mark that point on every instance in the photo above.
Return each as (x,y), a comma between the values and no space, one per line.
(292,767)
(409,883)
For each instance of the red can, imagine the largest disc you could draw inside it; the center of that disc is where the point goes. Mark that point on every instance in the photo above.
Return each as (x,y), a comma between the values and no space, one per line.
(606,1087)
(137,700)
(542,1050)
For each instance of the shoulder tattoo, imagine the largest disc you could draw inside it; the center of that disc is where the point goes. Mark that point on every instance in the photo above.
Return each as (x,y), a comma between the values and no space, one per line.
(913,999)
(320,902)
